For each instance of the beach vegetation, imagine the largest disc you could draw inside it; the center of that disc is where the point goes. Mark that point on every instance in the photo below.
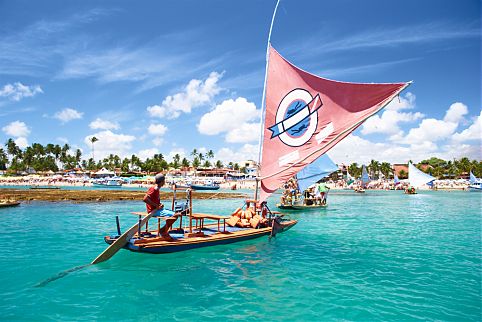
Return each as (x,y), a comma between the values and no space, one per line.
(54,157)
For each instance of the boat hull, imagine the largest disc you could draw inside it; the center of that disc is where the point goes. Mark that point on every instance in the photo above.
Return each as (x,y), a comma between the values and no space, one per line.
(100,185)
(183,244)
(9,204)
(198,187)
(300,207)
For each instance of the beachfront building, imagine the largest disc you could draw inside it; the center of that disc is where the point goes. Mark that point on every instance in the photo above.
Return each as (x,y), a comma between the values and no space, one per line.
(401,170)
(251,168)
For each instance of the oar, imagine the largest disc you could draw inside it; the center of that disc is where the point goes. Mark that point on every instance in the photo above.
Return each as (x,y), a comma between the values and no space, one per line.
(121,241)
(106,254)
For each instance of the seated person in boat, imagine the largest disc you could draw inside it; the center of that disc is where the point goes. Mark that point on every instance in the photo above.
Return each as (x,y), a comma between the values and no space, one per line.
(286,197)
(309,197)
(153,203)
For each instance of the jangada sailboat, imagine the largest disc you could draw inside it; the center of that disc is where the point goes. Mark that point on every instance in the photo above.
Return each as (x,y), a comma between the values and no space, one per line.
(311,195)
(304,116)
(417,179)
(475,184)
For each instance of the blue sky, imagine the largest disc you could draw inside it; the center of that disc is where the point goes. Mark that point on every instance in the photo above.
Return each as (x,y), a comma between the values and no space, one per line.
(170,76)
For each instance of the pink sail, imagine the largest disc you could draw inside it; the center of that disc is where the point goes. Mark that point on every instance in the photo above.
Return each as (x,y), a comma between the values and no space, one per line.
(307,115)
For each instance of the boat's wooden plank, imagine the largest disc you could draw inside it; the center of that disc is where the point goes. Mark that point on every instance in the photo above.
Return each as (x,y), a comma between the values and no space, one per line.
(121,241)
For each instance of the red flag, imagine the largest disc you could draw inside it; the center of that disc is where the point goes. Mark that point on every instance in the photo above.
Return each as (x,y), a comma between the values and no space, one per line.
(307,115)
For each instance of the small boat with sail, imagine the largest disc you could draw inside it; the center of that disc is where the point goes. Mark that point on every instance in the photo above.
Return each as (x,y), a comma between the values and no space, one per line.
(314,193)
(475,184)
(303,117)
(417,179)
(364,181)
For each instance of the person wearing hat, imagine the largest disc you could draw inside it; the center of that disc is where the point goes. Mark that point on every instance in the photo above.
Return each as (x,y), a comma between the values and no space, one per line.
(153,203)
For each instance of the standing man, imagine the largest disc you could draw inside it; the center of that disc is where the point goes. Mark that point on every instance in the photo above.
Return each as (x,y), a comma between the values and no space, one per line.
(153,203)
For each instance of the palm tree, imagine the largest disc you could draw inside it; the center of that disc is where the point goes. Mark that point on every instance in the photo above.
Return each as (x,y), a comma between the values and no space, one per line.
(386,169)
(196,162)
(78,157)
(374,167)
(3,159)
(219,164)
(194,153)
(93,140)
(185,163)
(210,154)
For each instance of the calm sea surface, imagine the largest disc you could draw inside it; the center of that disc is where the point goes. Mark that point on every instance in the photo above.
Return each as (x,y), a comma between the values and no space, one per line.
(378,256)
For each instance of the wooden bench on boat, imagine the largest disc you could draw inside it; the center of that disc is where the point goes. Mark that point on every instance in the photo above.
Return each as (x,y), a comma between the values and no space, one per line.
(201,218)
(198,217)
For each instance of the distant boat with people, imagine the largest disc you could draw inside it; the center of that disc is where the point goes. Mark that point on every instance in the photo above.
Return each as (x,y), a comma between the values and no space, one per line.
(310,193)
(417,179)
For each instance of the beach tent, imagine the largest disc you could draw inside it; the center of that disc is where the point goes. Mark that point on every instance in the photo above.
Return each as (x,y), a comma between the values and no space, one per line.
(104,173)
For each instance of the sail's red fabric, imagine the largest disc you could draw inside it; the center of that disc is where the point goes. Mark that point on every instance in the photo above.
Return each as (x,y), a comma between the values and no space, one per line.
(307,115)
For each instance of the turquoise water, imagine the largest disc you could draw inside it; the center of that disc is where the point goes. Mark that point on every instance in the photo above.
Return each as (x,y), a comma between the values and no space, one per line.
(375,256)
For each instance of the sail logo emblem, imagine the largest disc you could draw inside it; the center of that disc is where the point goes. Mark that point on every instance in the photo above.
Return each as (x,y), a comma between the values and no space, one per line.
(296,117)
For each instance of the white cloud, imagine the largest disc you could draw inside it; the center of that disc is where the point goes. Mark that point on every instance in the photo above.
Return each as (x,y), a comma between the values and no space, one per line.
(16,129)
(158,141)
(388,121)
(147,153)
(354,149)
(246,152)
(68,114)
(109,142)
(63,140)
(232,117)
(246,132)
(430,130)
(21,142)
(455,113)
(196,93)
(100,124)
(473,132)
(17,91)
(402,103)
(157,129)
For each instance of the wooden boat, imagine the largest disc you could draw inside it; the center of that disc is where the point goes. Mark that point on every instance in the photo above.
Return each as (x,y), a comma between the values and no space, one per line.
(306,116)
(4,204)
(202,230)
